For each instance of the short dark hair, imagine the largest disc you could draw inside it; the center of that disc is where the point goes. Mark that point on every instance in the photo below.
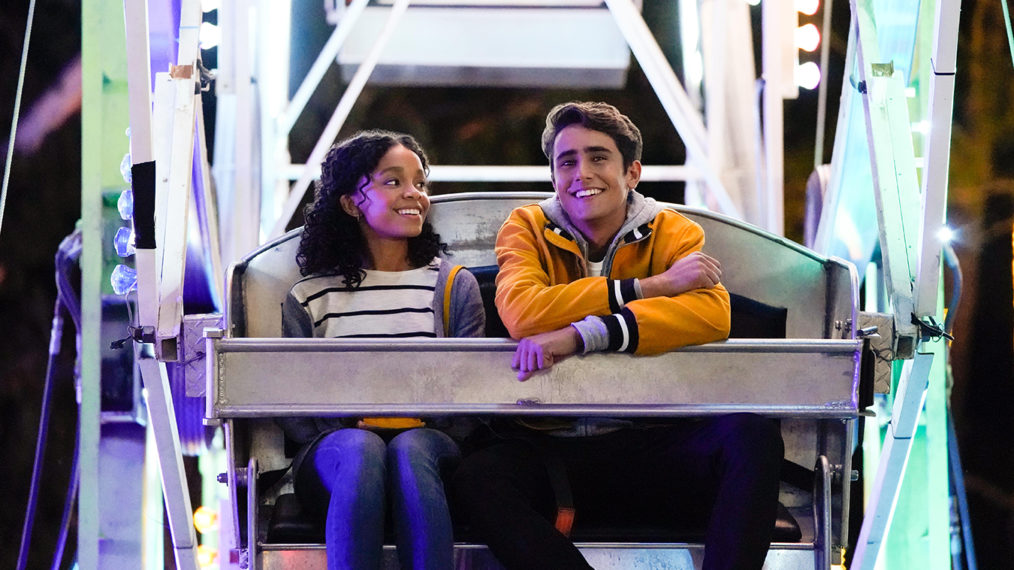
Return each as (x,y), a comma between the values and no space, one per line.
(332,240)
(596,116)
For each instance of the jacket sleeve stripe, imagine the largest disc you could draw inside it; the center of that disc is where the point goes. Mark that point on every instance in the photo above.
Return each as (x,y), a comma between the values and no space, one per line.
(621,292)
(625,335)
(630,325)
(615,296)
(622,328)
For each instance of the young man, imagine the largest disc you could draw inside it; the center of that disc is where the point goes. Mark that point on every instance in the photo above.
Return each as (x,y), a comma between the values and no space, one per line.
(600,267)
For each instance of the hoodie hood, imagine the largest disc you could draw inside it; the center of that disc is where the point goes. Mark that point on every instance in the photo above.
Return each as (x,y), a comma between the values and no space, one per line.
(640,210)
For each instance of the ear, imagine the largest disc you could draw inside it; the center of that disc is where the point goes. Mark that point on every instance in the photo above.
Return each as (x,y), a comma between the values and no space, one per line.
(633,175)
(349,206)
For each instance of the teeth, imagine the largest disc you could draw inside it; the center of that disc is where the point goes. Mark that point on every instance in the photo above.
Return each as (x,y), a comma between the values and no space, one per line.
(588,192)
(407,211)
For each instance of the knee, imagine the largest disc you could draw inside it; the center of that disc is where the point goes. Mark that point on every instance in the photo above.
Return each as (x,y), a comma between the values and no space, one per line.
(352,446)
(422,447)
(354,440)
(422,441)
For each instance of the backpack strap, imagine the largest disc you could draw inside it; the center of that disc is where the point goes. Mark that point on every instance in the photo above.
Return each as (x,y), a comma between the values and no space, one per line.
(447,297)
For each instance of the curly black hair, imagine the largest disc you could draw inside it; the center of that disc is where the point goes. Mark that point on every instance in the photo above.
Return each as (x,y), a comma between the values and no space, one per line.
(332,241)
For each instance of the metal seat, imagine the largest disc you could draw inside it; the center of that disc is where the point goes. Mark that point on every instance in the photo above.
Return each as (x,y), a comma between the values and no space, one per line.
(809,379)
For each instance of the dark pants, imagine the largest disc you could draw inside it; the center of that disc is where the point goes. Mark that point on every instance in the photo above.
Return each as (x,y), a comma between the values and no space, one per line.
(722,473)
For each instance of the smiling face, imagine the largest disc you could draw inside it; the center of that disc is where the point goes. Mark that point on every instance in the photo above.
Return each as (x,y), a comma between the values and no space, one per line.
(591,181)
(392,203)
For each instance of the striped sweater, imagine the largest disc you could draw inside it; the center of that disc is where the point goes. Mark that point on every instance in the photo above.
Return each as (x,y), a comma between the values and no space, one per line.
(402,304)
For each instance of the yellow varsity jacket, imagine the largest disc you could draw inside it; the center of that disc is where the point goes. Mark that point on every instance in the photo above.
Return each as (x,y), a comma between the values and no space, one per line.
(542,284)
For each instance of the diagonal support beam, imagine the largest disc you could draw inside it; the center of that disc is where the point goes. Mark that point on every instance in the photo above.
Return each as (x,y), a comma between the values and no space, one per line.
(328,54)
(337,119)
(673,97)
(908,404)
(170,459)
(892,159)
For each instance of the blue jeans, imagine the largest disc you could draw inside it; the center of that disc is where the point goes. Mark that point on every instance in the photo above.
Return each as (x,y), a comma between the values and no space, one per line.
(351,470)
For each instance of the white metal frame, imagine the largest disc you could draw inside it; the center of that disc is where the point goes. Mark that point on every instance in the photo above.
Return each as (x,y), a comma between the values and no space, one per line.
(236,151)
(936,163)
(912,276)
(685,117)
(896,186)
(773,23)
(160,270)
(731,102)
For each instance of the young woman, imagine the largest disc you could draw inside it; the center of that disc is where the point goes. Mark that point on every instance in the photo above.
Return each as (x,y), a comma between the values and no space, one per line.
(372,268)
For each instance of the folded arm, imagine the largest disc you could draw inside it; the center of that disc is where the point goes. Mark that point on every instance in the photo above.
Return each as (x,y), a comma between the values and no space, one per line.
(680,302)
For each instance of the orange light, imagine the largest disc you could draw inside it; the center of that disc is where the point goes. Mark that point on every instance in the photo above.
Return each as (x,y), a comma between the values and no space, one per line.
(205,519)
(807,37)
(808,75)
(808,7)
(206,557)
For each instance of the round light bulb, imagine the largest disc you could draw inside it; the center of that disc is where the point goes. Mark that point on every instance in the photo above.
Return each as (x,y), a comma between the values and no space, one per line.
(808,75)
(125,204)
(123,279)
(807,37)
(206,557)
(210,36)
(125,165)
(123,242)
(205,519)
(808,7)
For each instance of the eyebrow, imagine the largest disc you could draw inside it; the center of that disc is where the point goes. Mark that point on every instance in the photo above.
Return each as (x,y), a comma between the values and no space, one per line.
(396,170)
(587,149)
